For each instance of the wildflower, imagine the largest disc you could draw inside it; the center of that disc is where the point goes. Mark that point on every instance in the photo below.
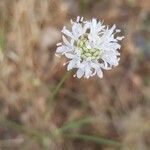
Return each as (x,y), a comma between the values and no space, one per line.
(90,47)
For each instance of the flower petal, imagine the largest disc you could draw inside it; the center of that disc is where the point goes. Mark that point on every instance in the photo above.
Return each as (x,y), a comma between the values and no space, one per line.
(61,49)
(67,32)
(99,73)
(71,65)
(80,73)
(68,55)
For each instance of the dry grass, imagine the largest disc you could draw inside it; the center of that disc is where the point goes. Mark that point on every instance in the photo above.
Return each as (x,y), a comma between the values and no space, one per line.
(115,108)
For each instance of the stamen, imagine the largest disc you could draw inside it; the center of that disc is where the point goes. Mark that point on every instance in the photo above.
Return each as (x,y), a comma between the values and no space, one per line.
(86,52)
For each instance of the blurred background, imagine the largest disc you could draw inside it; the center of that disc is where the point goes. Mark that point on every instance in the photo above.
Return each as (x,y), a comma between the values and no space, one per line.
(38,112)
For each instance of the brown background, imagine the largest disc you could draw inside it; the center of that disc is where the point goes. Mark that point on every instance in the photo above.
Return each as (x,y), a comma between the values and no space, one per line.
(29,72)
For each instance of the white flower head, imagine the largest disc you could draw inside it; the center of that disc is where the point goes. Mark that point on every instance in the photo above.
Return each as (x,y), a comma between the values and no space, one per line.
(90,47)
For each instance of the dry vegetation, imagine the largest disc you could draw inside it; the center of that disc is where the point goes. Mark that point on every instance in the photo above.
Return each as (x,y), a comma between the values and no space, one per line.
(94,114)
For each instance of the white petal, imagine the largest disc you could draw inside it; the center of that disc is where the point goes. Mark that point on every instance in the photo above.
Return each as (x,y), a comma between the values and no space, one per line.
(94,22)
(77,30)
(81,19)
(57,55)
(105,66)
(80,73)
(120,38)
(67,32)
(65,40)
(78,19)
(87,71)
(86,26)
(59,44)
(68,55)
(71,65)
(61,49)
(113,27)
(99,73)
(118,30)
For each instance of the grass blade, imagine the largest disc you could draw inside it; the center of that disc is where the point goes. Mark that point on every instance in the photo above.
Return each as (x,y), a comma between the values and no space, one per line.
(95,139)
(76,124)
(22,129)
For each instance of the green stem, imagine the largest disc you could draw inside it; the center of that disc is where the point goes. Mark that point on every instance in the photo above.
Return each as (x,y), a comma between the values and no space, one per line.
(75,124)
(95,139)
(53,96)
(58,87)
(20,128)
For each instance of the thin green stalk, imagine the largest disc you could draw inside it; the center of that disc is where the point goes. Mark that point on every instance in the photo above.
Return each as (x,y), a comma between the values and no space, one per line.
(43,138)
(95,139)
(53,96)
(76,124)
(2,40)
(72,125)
(20,128)
(58,87)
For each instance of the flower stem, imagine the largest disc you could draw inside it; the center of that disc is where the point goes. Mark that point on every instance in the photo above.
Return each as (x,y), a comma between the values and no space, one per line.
(55,92)
(58,87)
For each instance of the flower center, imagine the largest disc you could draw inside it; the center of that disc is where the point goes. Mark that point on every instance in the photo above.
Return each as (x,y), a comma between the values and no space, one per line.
(87,53)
